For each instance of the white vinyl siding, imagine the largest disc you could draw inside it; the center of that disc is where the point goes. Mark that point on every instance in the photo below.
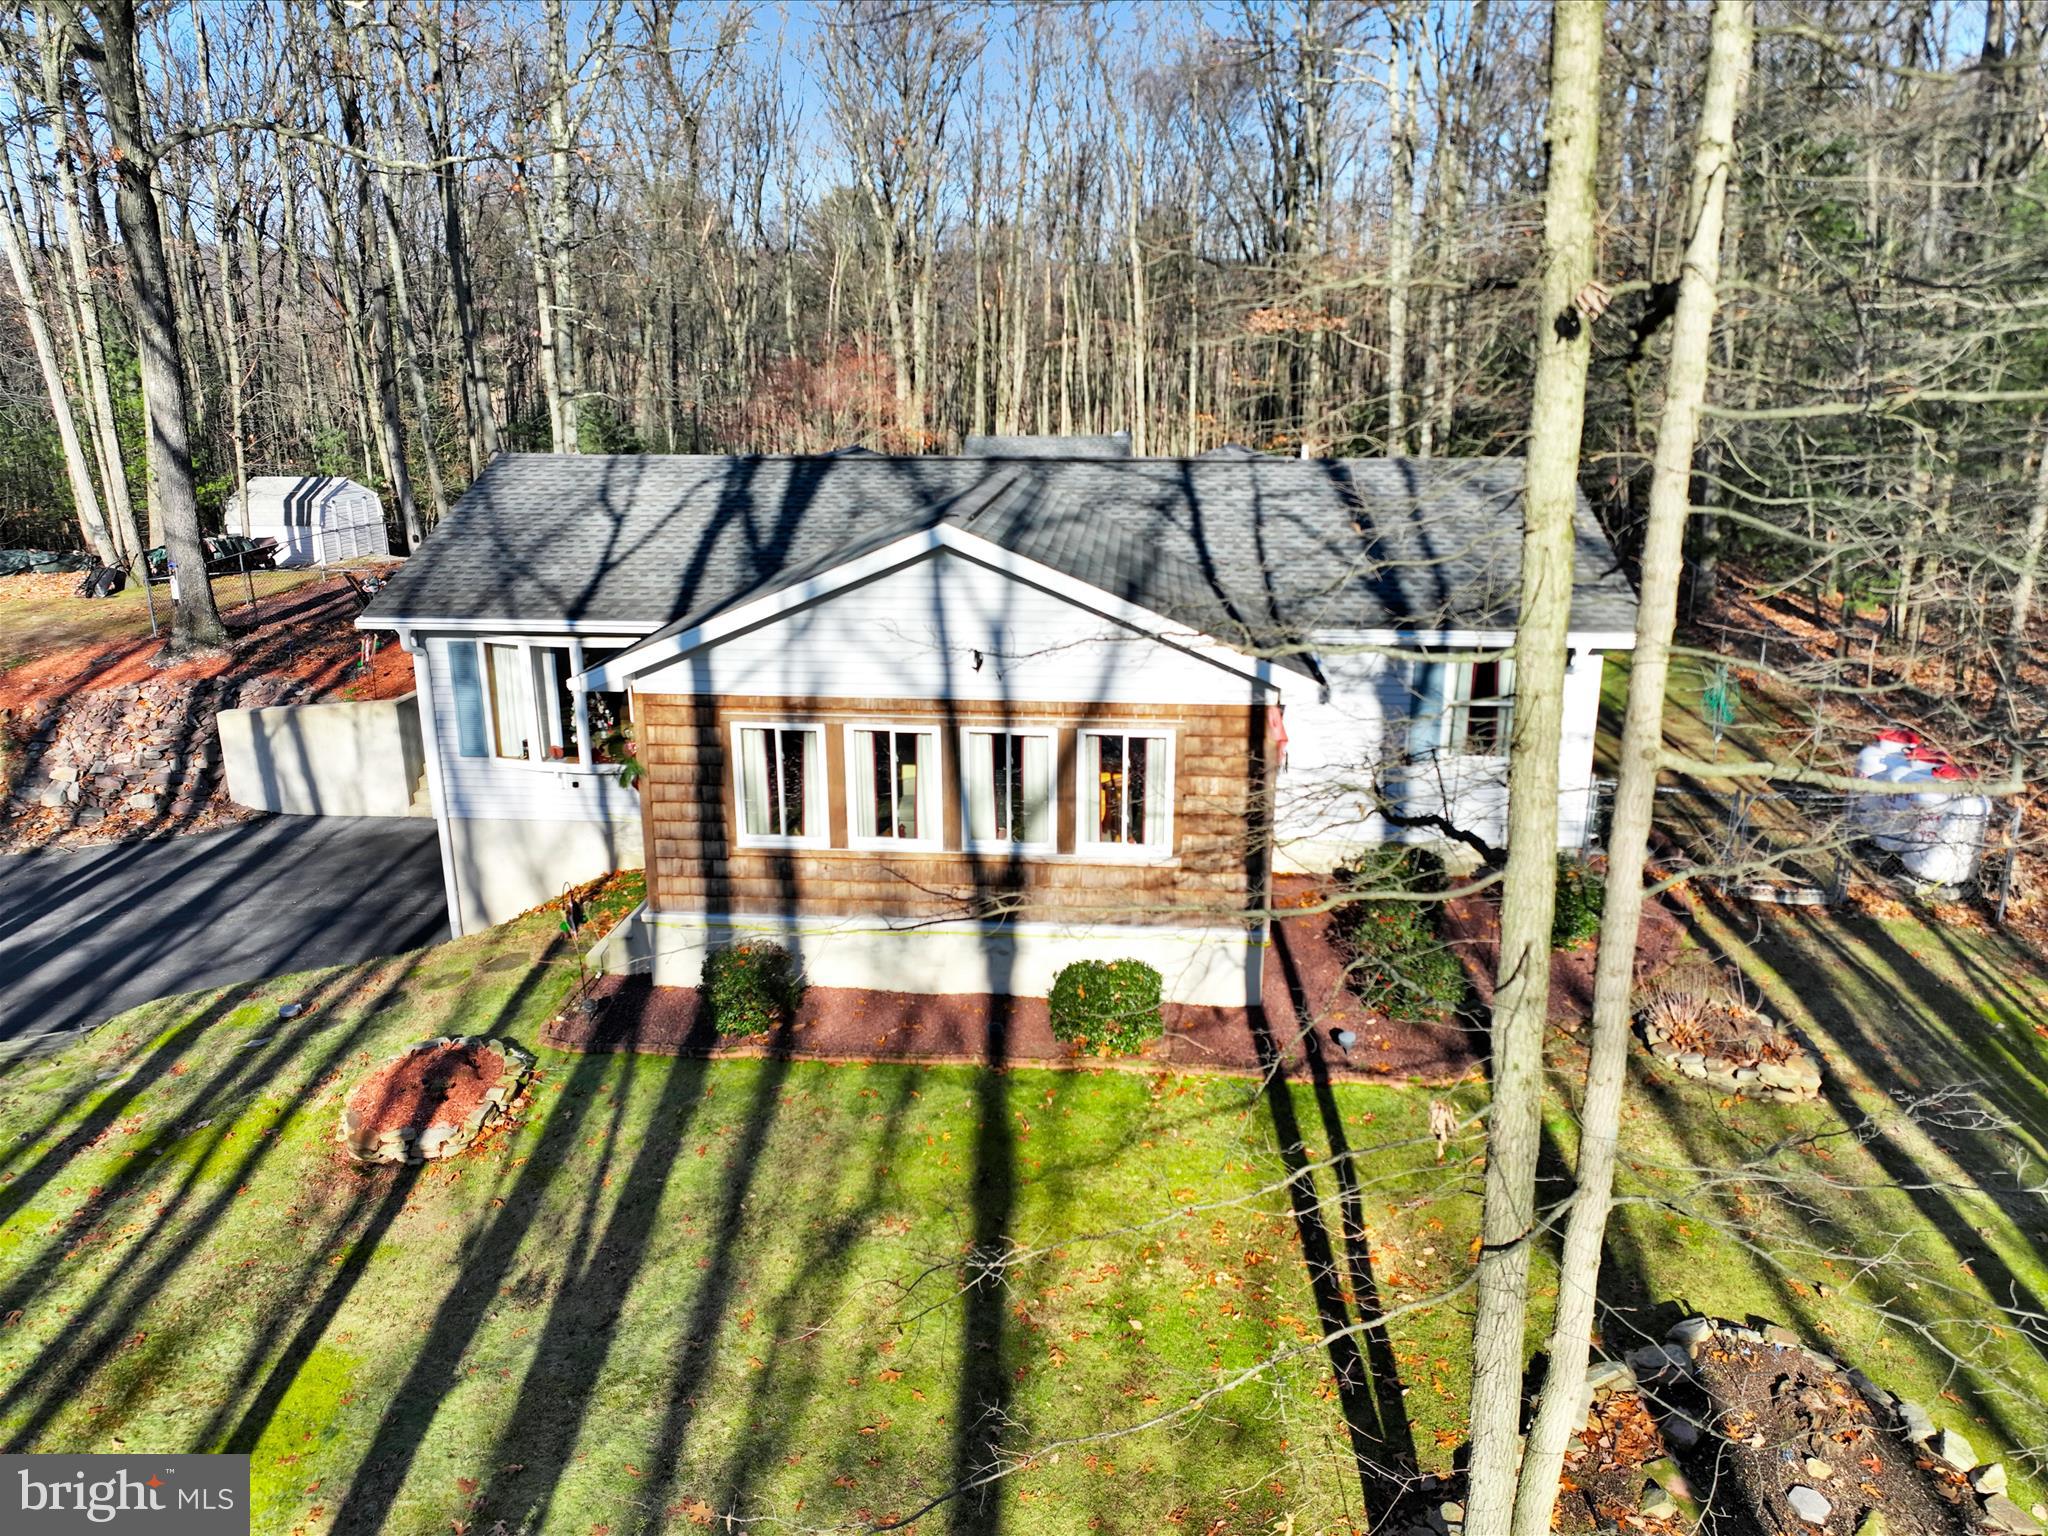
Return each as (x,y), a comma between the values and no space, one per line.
(479,785)
(1007,790)
(946,627)
(1125,804)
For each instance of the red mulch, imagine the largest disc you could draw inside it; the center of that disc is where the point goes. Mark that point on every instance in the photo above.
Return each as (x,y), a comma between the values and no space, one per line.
(437,1086)
(306,633)
(1472,928)
(847,1023)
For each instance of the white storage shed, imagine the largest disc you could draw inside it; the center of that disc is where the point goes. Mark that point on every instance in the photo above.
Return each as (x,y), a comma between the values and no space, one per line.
(316,519)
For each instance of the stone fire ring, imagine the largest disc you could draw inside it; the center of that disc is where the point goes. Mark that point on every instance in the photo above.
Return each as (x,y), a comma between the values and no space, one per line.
(1793,1080)
(365,1142)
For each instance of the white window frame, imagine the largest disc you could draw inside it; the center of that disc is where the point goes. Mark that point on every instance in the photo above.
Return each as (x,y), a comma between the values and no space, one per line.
(931,799)
(1451,724)
(530,729)
(968,841)
(1085,845)
(817,810)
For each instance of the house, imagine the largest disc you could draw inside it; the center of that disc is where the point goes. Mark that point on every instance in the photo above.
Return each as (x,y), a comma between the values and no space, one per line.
(946,723)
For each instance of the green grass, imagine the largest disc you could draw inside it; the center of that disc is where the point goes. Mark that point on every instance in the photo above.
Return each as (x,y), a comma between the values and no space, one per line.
(678,1290)
(681,1288)
(1905,1230)
(34,627)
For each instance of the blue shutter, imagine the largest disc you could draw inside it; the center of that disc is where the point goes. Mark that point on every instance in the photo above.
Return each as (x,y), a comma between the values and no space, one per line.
(1428,688)
(467,685)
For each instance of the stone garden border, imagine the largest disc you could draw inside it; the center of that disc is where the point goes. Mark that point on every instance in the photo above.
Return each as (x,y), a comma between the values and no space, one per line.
(1659,1363)
(365,1145)
(1792,1081)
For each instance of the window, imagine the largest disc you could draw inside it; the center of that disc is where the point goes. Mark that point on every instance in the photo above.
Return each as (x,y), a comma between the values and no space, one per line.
(781,784)
(1463,707)
(893,775)
(1126,791)
(511,736)
(1008,789)
(513,701)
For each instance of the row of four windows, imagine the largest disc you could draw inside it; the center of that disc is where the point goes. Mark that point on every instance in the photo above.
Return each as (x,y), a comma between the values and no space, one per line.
(1007,791)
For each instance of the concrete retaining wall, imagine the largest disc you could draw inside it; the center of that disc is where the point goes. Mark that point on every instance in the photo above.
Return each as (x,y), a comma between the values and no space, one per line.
(504,867)
(1219,967)
(344,759)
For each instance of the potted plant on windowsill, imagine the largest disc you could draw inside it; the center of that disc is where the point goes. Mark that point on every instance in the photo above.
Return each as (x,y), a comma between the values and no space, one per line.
(616,747)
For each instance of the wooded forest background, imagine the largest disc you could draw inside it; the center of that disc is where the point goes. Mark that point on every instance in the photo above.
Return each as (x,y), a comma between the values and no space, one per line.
(403,235)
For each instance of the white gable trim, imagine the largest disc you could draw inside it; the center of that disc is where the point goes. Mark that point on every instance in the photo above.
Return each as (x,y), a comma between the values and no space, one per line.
(970,546)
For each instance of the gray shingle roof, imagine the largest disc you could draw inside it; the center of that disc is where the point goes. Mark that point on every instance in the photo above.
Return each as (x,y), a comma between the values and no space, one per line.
(1251,550)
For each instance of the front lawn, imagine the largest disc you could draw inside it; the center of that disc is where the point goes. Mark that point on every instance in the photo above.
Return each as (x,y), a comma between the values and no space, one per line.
(682,1289)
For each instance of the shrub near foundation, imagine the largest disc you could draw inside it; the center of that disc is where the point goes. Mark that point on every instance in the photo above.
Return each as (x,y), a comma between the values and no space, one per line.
(750,988)
(1397,962)
(1107,1007)
(1581,897)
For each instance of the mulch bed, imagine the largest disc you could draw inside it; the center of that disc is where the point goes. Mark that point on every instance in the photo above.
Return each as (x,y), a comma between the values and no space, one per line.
(1780,1421)
(1471,926)
(1302,970)
(419,1090)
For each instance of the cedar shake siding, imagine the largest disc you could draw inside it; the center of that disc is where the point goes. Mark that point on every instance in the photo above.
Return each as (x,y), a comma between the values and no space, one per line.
(694,863)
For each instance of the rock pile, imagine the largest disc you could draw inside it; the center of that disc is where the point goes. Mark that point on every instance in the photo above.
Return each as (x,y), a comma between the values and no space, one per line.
(1694,1023)
(125,759)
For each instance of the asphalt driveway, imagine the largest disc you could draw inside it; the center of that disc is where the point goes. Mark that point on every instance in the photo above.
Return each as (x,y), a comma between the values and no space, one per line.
(84,935)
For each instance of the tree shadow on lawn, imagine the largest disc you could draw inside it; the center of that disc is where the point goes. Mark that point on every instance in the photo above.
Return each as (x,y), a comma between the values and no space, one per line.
(487,1265)
(1368,1379)
(1810,960)
(1824,1215)
(156,1258)
(360,1234)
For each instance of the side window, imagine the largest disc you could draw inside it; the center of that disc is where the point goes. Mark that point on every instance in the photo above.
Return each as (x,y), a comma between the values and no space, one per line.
(1127,790)
(510,735)
(781,788)
(466,684)
(1008,788)
(1465,708)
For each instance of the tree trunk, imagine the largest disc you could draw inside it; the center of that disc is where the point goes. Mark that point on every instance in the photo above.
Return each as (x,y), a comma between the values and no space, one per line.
(119,505)
(84,499)
(1401,158)
(1558,1413)
(1528,890)
(195,621)
(381,362)
(561,281)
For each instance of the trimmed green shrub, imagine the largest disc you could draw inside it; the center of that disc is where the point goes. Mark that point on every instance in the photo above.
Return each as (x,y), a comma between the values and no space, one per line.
(1581,894)
(1399,965)
(750,988)
(1106,1007)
